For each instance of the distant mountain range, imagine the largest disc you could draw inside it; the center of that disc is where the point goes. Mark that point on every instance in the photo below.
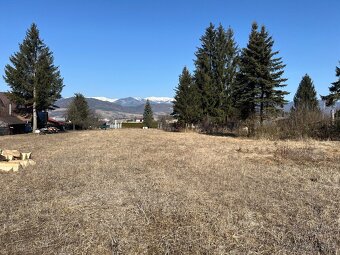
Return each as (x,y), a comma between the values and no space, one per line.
(322,106)
(136,100)
(123,108)
(133,107)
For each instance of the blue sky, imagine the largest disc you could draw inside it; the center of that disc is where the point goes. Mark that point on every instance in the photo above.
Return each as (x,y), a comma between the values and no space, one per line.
(138,48)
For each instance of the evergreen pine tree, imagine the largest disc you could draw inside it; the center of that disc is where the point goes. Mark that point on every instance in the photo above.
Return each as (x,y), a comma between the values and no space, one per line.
(244,91)
(216,67)
(231,70)
(219,76)
(334,90)
(194,110)
(305,98)
(78,112)
(204,76)
(181,107)
(305,111)
(34,80)
(148,115)
(258,92)
(187,100)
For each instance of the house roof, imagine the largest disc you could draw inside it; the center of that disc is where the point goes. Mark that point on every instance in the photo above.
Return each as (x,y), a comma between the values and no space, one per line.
(12,120)
(51,120)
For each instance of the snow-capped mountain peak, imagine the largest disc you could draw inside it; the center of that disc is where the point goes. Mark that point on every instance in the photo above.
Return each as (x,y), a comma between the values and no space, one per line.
(160,99)
(112,100)
(136,101)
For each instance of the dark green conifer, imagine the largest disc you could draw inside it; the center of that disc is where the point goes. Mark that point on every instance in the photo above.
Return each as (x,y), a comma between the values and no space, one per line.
(204,75)
(258,93)
(305,99)
(220,85)
(182,104)
(194,99)
(305,112)
(334,90)
(34,80)
(187,100)
(244,92)
(231,66)
(148,115)
(78,112)
(216,67)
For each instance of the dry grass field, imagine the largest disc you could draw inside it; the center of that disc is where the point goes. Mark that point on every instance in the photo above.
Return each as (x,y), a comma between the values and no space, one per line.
(152,192)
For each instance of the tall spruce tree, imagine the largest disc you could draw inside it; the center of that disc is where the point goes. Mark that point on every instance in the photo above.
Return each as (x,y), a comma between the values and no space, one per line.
(305,99)
(34,80)
(147,115)
(181,106)
(231,69)
(244,91)
(194,99)
(186,106)
(216,67)
(204,76)
(258,93)
(219,75)
(305,111)
(78,112)
(224,70)
(334,90)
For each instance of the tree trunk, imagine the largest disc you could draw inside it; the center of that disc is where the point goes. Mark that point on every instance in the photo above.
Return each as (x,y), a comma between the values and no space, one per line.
(35,122)
(333,116)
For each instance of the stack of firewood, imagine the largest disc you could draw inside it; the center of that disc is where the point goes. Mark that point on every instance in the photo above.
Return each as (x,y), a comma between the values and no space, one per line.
(14,160)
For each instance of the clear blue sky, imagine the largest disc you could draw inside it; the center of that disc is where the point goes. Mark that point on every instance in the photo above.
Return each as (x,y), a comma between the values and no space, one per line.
(138,48)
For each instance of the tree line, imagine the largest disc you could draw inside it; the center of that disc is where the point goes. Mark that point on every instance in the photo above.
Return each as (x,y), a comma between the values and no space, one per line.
(228,86)
(231,85)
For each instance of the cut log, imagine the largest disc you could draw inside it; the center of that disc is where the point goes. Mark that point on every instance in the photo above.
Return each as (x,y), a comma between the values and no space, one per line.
(14,153)
(23,163)
(26,155)
(8,166)
(9,157)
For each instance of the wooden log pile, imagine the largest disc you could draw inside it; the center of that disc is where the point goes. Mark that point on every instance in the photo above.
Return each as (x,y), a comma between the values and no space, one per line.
(14,160)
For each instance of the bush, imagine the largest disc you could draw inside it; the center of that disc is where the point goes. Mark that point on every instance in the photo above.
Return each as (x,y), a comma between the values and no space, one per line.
(154,124)
(289,128)
(132,125)
(327,130)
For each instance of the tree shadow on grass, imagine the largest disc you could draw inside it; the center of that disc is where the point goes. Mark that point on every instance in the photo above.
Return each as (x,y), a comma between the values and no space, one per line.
(222,134)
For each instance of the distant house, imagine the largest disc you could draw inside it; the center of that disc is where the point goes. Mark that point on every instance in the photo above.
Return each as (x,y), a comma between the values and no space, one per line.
(52,122)
(10,121)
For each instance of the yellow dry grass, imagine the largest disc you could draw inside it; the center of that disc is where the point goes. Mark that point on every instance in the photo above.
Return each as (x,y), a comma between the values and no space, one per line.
(152,192)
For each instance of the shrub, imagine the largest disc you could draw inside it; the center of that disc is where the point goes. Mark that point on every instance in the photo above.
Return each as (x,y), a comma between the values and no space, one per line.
(132,125)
